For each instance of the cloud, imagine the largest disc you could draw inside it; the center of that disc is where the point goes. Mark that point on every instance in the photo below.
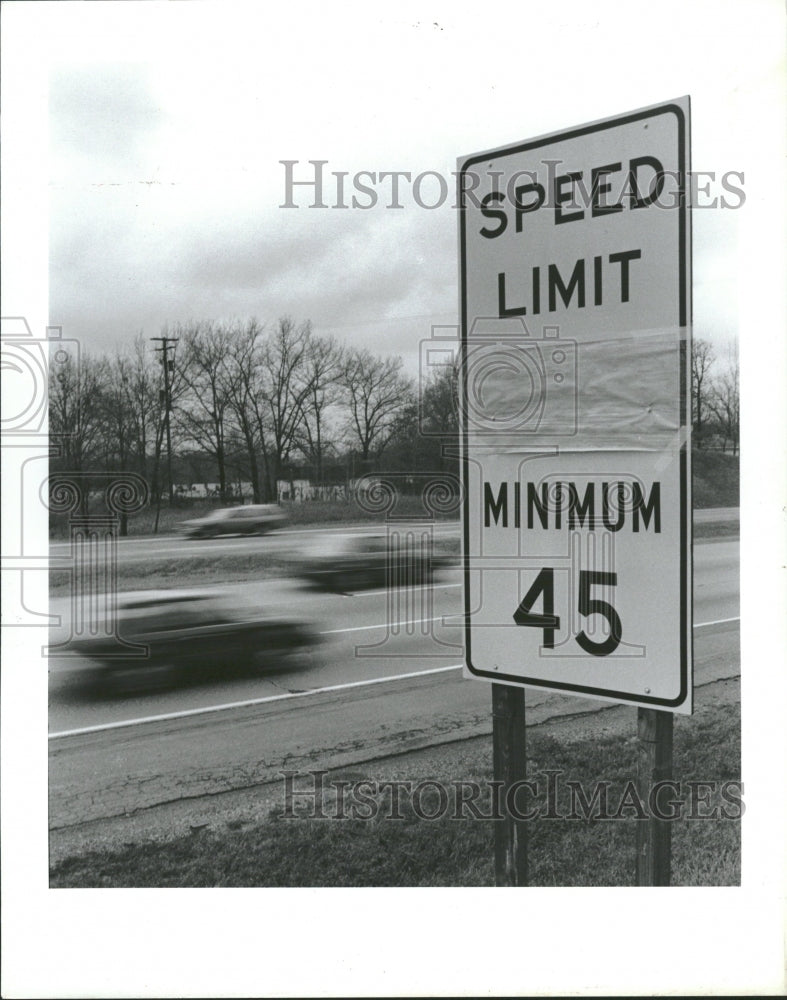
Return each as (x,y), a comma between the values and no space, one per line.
(172,254)
(103,114)
(167,180)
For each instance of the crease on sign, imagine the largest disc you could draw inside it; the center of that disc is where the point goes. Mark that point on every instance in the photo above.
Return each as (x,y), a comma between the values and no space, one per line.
(618,393)
(628,386)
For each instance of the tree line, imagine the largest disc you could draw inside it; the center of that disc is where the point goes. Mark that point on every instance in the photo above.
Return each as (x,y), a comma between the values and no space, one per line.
(250,402)
(261,403)
(715,397)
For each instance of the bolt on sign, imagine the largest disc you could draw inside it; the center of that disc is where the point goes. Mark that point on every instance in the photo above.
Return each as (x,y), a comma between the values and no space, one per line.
(574,387)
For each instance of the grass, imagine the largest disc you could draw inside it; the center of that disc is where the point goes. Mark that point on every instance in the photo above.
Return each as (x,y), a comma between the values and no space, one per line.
(715,479)
(311,512)
(161,574)
(718,529)
(280,851)
(716,483)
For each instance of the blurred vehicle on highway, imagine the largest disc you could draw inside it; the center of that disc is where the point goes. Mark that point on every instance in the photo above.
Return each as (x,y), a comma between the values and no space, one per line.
(358,561)
(176,636)
(250,519)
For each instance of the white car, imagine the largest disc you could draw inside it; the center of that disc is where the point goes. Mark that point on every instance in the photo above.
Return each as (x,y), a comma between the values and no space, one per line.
(250,519)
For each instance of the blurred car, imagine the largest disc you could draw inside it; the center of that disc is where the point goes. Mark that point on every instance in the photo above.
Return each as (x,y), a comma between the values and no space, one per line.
(358,561)
(178,635)
(251,519)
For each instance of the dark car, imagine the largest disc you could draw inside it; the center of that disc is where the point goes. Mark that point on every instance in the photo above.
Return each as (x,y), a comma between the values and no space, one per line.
(358,561)
(174,636)
(250,519)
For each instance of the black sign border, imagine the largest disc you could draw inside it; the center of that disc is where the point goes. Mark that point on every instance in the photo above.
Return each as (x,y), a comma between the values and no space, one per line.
(684,321)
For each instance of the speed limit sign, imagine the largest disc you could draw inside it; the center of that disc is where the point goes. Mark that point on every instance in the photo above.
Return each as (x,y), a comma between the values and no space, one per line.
(574,387)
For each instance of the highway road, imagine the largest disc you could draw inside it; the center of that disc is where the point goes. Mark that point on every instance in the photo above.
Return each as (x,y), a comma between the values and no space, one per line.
(139,550)
(384,678)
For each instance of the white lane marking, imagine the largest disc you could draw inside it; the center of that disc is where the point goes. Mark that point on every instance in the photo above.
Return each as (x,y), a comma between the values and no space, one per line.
(719,621)
(442,618)
(251,701)
(281,697)
(378,593)
(416,621)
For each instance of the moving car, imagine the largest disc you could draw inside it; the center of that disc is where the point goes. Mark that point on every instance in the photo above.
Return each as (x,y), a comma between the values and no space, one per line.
(250,519)
(353,562)
(158,638)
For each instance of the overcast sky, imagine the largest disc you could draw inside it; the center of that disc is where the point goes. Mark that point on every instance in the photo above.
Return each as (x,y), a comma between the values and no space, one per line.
(168,124)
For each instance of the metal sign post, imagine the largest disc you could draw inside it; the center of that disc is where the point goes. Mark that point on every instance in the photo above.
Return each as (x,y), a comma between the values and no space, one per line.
(654,764)
(510,766)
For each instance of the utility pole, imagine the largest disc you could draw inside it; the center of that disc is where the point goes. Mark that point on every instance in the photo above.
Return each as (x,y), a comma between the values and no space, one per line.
(168,364)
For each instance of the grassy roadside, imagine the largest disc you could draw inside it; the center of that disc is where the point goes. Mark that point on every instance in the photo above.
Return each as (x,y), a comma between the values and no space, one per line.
(277,850)
(715,479)
(162,574)
(715,483)
(311,514)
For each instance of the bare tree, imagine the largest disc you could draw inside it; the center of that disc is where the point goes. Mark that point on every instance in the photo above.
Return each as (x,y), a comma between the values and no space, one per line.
(322,377)
(440,415)
(702,358)
(264,381)
(724,401)
(282,385)
(242,378)
(117,414)
(76,390)
(132,413)
(376,392)
(440,402)
(204,411)
(145,401)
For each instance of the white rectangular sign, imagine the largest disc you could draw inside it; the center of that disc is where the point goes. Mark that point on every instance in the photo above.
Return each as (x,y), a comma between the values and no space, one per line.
(575,410)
